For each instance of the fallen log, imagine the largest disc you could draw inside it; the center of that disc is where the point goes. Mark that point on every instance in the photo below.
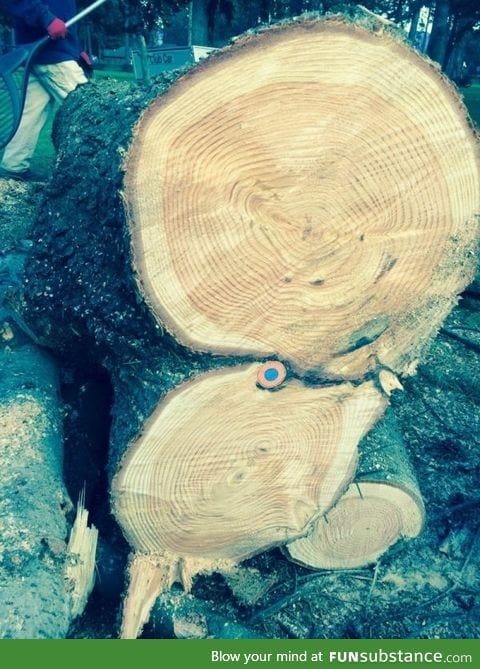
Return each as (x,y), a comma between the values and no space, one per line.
(405,201)
(252,258)
(382,506)
(44,583)
(233,238)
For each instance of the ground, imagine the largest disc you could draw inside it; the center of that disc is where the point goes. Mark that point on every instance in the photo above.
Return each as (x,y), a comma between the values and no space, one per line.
(425,588)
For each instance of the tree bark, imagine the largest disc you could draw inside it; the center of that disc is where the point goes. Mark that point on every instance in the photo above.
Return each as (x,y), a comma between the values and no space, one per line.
(142,49)
(199,22)
(455,54)
(415,17)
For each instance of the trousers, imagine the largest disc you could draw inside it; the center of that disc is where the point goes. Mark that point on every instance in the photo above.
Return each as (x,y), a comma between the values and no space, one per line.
(47,84)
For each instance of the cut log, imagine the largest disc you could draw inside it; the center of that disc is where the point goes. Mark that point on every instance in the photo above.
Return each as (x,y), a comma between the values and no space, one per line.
(257,186)
(193,486)
(383,505)
(267,178)
(44,583)
(193,492)
(296,197)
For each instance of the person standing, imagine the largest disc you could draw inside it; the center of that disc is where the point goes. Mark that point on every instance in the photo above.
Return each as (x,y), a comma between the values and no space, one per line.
(55,73)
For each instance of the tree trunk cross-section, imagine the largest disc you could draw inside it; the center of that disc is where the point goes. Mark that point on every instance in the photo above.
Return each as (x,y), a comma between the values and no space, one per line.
(383,505)
(196,494)
(194,486)
(299,195)
(367,520)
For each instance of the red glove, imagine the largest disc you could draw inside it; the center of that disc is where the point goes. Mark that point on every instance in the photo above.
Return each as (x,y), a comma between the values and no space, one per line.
(86,64)
(85,60)
(57,29)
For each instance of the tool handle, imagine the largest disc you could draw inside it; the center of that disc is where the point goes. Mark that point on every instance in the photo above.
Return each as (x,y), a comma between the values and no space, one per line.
(45,40)
(84,12)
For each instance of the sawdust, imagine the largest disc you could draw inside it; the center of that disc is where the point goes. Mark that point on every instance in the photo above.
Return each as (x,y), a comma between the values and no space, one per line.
(22,424)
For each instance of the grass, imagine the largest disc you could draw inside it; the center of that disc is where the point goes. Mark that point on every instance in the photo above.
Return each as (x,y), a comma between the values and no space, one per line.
(44,156)
(471,96)
(43,160)
(115,74)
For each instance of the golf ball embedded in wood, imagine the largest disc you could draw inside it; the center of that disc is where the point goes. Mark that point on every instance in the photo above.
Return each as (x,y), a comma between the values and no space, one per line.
(271,374)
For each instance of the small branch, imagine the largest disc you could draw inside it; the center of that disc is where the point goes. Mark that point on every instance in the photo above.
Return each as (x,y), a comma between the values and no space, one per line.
(308,582)
(374,583)
(463,340)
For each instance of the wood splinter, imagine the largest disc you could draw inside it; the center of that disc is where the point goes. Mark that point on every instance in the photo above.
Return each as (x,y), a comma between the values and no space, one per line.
(80,559)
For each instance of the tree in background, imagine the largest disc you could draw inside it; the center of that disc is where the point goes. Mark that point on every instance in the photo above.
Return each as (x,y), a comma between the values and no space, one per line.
(111,22)
(455,24)
(128,23)
(119,17)
(216,21)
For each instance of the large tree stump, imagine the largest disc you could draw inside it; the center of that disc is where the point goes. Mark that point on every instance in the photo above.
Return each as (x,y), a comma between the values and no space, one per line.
(285,457)
(216,499)
(296,198)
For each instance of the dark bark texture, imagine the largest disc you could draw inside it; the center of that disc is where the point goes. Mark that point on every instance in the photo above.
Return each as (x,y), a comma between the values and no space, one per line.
(383,458)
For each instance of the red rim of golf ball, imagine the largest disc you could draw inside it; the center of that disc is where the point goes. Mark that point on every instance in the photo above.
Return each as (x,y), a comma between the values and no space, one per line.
(271,374)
